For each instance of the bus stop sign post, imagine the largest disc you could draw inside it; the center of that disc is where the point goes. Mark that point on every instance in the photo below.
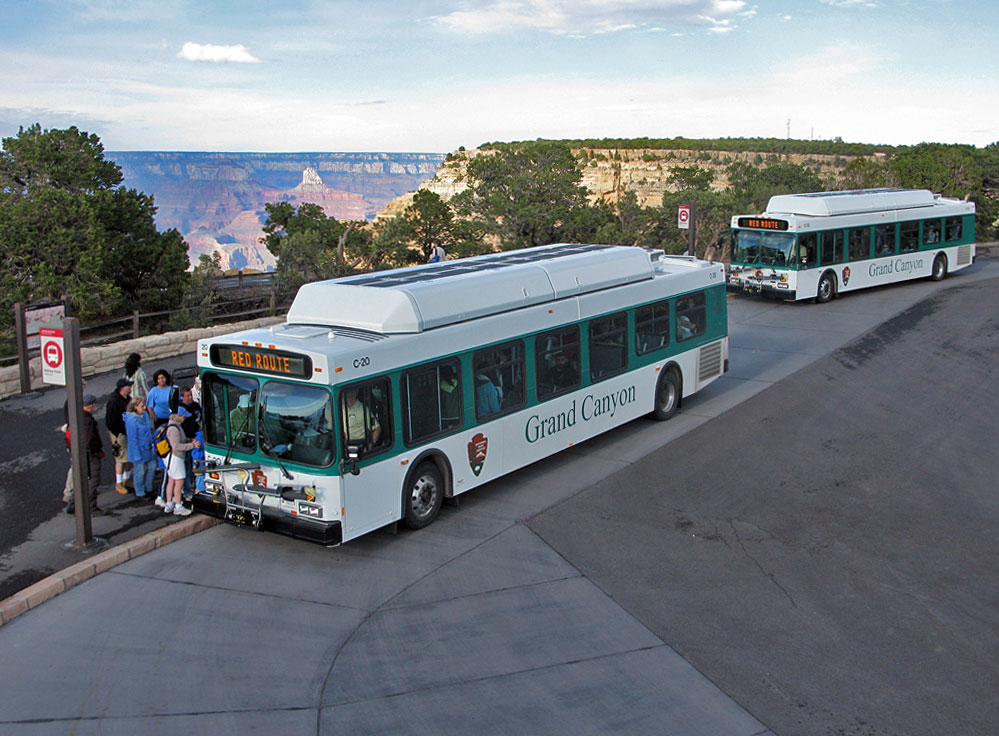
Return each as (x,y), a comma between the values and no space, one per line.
(686,220)
(73,378)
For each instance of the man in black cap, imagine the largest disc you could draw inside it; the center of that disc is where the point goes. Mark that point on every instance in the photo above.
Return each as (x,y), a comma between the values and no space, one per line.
(116,407)
(93,448)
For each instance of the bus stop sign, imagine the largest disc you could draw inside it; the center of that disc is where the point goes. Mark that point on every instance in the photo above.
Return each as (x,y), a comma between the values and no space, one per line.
(683,216)
(53,355)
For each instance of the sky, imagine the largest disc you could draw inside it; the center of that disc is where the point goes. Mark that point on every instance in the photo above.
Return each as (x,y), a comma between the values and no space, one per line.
(434,75)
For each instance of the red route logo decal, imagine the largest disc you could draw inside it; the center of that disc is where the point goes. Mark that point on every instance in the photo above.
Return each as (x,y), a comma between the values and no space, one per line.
(477,452)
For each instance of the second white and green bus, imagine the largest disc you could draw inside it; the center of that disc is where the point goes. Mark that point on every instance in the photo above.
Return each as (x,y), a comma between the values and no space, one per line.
(817,245)
(384,393)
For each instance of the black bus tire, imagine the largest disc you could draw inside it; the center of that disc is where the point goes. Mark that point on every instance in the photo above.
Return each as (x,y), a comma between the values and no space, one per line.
(422,496)
(827,288)
(939,272)
(667,397)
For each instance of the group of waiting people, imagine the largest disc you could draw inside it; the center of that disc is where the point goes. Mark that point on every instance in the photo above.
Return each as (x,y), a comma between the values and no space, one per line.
(133,413)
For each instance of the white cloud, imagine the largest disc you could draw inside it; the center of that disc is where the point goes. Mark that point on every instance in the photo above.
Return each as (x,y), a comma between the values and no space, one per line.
(593,16)
(210,52)
(852,3)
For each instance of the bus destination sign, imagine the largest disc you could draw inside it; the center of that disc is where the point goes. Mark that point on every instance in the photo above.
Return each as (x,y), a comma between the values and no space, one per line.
(262,360)
(763,223)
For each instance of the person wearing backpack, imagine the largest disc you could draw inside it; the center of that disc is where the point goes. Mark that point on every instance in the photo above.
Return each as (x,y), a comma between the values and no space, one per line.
(176,470)
(140,446)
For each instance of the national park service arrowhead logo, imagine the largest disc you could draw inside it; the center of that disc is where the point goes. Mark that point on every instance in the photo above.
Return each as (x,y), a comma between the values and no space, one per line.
(846,276)
(477,452)
(258,478)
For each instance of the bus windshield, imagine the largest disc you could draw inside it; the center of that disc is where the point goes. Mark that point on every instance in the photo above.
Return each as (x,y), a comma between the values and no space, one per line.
(296,423)
(284,420)
(766,248)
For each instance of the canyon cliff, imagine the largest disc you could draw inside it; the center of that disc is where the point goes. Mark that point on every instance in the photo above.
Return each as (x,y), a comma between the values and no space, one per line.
(216,200)
(610,173)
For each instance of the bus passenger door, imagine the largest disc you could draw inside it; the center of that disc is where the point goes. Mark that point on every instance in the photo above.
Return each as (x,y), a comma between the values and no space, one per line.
(372,486)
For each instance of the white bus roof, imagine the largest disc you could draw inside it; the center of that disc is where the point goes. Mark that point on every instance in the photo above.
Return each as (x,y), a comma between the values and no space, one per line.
(849,202)
(408,300)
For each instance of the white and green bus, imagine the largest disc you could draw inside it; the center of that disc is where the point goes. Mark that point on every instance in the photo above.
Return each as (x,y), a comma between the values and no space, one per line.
(814,246)
(384,393)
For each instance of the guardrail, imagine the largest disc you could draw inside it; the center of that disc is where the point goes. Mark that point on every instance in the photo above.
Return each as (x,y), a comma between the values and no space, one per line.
(105,332)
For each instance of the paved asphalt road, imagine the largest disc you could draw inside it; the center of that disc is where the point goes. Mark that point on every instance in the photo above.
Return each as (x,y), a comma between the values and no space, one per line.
(826,552)
(822,557)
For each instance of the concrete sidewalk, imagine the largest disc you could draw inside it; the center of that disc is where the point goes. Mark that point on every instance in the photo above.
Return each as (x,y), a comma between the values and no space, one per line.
(130,527)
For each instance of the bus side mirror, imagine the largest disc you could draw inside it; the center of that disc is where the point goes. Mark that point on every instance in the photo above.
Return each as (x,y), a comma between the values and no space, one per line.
(352,453)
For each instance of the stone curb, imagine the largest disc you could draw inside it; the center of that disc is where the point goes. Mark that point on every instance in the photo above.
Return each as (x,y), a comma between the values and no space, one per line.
(35,595)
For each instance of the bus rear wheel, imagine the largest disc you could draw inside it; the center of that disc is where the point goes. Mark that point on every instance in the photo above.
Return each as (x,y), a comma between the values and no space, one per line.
(939,272)
(667,395)
(827,288)
(422,496)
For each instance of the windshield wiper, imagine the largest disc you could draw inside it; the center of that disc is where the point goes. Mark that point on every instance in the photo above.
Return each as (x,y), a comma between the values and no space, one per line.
(267,440)
(232,444)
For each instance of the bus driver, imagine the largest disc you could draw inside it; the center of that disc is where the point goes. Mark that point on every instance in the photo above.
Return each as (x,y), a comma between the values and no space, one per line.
(354,414)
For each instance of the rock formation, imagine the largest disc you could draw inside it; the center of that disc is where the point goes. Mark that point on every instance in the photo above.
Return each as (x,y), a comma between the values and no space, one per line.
(610,173)
(216,200)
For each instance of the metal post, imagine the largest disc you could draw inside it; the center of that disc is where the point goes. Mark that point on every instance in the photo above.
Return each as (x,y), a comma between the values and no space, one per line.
(23,365)
(74,389)
(692,231)
(135,323)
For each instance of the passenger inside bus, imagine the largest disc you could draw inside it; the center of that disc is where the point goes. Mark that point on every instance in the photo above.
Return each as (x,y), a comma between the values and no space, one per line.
(487,396)
(931,232)
(450,397)
(564,373)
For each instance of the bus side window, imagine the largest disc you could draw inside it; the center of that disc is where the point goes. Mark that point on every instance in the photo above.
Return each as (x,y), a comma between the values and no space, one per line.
(651,327)
(365,416)
(431,400)
(832,247)
(860,243)
(608,351)
(807,250)
(884,240)
(931,232)
(691,319)
(953,229)
(556,361)
(499,379)
(909,241)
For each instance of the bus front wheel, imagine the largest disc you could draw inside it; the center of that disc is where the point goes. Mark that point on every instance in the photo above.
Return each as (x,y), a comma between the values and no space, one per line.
(939,272)
(667,395)
(827,288)
(422,496)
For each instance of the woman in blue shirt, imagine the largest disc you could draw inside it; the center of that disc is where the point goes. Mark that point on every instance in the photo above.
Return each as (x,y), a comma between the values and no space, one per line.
(158,400)
(140,439)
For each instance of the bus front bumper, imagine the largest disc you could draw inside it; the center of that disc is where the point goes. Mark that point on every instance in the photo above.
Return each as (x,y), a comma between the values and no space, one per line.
(768,288)
(327,533)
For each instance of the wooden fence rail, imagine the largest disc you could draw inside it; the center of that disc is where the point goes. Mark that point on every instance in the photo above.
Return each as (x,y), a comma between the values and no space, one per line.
(97,333)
